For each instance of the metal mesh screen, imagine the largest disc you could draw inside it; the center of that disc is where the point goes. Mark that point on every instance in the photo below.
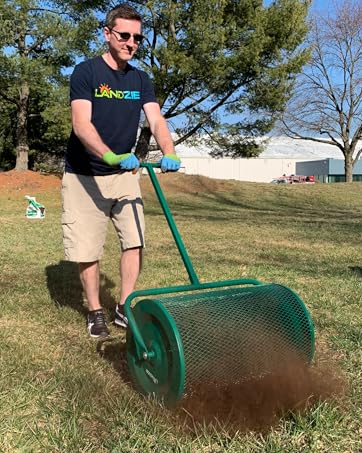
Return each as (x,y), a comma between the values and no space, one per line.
(230,334)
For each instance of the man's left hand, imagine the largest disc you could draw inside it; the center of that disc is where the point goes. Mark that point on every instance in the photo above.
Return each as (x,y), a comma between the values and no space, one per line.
(170,162)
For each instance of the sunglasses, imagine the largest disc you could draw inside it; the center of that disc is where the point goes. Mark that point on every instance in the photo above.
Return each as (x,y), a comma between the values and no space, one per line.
(125,36)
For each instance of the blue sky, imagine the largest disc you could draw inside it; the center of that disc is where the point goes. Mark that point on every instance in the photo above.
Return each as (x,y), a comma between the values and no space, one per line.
(322,5)
(317,5)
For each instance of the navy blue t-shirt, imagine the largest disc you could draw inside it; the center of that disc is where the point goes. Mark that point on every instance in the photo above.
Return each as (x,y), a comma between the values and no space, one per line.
(117,99)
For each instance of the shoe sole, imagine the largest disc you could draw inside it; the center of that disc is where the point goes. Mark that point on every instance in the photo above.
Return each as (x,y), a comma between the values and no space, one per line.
(120,324)
(100,336)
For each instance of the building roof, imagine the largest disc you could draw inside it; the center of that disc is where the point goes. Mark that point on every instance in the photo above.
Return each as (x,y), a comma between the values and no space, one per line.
(277,147)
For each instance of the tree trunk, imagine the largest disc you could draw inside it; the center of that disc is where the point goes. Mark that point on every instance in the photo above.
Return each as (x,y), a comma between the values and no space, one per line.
(22,144)
(143,142)
(348,167)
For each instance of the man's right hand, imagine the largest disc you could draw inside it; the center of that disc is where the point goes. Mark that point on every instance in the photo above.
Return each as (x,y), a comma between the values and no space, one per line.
(126,161)
(129,162)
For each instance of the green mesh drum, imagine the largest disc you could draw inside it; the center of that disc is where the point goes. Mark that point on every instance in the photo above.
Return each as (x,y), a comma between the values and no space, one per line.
(218,337)
(211,333)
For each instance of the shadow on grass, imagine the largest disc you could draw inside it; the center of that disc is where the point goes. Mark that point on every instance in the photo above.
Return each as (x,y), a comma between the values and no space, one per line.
(66,291)
(357,270)
(113,350)
(65,288)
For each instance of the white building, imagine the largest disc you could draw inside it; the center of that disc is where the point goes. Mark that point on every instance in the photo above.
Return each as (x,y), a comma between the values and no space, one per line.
(280,157)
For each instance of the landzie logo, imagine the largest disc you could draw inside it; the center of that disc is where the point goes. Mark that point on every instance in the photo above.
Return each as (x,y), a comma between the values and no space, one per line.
(104,91)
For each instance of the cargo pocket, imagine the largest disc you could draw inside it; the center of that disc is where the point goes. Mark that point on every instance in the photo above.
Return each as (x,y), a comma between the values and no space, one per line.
(68,222)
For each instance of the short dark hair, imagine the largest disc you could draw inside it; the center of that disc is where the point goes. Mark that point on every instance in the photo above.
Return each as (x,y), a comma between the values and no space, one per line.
(122,11)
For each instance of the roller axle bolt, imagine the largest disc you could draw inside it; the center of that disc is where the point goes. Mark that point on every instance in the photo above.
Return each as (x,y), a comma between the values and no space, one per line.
(148,355)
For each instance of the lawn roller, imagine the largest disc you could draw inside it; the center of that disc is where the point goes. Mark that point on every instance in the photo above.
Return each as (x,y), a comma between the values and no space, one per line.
(217,333)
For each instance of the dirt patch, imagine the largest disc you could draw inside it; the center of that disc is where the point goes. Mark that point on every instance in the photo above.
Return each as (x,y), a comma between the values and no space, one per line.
(181,183)
(172,183)
(28,181)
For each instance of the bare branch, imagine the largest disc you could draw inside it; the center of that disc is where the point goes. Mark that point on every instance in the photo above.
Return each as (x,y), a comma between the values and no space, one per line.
(327,103)
(205,119)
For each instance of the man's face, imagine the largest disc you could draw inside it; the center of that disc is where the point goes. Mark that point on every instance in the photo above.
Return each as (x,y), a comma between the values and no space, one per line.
(123,39)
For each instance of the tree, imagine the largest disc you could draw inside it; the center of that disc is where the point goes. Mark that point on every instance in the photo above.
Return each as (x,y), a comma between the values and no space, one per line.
(327,104)
(37,41)
(7,111)
(222,68)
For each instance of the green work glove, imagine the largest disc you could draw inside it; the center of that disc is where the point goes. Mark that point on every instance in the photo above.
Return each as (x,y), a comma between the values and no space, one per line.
(111,158)
(126,161)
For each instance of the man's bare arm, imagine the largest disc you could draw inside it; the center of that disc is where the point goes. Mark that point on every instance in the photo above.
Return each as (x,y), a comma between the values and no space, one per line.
(84,129)
(159,128)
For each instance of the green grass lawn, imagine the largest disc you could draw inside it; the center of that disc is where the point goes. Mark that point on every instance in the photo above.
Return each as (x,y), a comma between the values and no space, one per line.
(59,394)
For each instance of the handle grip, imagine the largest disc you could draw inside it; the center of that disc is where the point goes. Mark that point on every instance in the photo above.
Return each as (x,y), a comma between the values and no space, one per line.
(150,164)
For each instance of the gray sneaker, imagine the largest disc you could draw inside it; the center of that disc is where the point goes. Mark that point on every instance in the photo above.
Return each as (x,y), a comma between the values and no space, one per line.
(120,319)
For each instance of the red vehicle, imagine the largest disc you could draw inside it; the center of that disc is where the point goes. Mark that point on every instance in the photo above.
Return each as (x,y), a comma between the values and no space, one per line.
(294,179)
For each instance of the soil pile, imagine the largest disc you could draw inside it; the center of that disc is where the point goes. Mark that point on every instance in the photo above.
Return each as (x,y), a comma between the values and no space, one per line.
(258,403)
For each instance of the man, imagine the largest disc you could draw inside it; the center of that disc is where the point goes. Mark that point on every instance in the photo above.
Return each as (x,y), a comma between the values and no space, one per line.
(100,181)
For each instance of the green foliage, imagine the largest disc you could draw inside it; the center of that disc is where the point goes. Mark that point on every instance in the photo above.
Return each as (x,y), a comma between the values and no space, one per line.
(226,74)
(56,115)
(222,68)
(38,43)
(7,155)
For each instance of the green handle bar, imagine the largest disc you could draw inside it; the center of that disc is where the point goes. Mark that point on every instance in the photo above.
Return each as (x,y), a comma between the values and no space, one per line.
(142,351)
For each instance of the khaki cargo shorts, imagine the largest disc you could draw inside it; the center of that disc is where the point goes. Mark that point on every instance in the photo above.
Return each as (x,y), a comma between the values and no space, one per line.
(88,204)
